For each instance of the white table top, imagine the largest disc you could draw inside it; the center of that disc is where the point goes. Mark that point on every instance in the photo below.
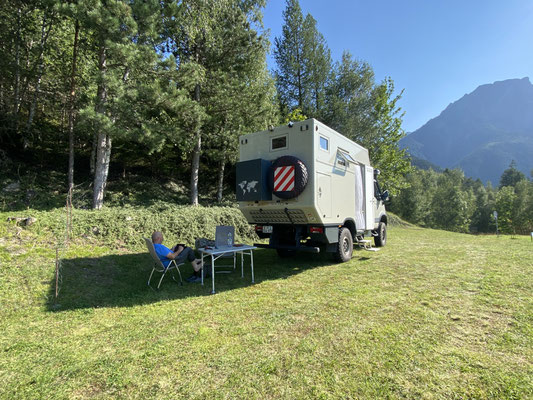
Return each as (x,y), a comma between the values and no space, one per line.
(222,250)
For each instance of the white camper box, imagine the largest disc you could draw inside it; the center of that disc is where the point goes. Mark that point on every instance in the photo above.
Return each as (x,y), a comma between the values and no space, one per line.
(306,186)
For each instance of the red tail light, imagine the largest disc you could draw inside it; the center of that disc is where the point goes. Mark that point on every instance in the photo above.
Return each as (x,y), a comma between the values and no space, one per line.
(316,229)
(259,228)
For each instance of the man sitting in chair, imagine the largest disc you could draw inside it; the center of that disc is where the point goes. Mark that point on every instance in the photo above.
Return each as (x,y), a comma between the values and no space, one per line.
(179,253)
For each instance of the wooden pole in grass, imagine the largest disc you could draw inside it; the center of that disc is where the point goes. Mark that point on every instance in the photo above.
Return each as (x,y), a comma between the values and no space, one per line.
(57,271)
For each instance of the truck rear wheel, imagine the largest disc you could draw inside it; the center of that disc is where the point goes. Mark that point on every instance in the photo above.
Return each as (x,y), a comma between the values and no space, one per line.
(381,238)
(344,249)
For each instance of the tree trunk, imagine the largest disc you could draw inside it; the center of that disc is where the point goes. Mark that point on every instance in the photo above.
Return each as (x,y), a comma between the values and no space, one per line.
(16,99)
(103,141)
(72,101)
(195,166)
(103,155)
(299,78)
(221,180)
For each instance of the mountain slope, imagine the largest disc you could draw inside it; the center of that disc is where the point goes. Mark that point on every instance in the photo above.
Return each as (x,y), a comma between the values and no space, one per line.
(481,132)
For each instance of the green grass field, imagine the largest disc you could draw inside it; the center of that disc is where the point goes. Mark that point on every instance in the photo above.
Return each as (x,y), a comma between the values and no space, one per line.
(434,315)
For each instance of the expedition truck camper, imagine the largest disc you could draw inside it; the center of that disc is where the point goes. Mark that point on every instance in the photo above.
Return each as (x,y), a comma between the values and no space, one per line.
(308,188)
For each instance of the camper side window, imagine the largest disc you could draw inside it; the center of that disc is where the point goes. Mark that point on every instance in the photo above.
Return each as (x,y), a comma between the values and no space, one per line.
(278,143)
(324,143)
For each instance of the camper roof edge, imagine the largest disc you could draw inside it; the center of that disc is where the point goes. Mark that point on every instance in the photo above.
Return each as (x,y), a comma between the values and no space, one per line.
(322,127)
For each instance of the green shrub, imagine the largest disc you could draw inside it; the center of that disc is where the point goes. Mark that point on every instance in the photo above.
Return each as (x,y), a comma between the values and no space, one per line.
(126,226)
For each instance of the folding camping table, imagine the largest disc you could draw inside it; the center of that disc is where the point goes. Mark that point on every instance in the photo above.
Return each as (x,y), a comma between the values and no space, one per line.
(216,253)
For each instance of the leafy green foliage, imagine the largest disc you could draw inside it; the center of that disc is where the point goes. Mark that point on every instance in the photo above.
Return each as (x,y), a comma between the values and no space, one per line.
(233,93)
(451,207)
(170,86)
(368,114)
(124,227)
(505,199)
(295,115)
(450,201)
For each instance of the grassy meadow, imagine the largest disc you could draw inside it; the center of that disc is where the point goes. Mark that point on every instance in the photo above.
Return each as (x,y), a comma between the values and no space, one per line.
(434,315)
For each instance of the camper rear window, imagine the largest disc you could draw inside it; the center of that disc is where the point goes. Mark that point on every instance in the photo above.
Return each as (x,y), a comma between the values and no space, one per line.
(279,142)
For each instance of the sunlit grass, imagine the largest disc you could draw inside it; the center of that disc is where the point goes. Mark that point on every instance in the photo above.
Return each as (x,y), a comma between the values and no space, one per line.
(433,315)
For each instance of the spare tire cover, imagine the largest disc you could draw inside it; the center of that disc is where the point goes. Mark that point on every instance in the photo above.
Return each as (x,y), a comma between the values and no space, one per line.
(288,177)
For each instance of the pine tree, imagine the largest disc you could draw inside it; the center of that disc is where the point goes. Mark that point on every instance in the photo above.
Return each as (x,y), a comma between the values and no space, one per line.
(124,55)
(317,61)
(511,176)
(221,64)
(238,91)
(349,98)
(289,55)
(384,137)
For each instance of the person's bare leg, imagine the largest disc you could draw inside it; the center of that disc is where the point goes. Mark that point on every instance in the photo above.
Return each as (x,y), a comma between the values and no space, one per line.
(197,265)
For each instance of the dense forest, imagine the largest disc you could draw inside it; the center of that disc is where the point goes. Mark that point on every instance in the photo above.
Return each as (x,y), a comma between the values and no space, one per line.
(448,200)
(102,89)
(170,85)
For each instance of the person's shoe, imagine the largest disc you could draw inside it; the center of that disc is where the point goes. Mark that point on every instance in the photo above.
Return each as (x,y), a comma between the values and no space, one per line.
(192,278)
(196,279)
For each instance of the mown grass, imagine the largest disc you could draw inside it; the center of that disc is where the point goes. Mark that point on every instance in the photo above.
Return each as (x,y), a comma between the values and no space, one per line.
(434,315)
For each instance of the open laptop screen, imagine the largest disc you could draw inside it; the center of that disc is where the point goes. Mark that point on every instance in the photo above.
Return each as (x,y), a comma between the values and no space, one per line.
(224,236)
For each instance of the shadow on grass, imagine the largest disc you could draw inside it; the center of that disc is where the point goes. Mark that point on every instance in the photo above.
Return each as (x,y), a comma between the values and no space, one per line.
(121,280)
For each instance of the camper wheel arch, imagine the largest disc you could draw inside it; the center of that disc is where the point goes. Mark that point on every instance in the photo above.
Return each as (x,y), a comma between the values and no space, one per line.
(350,224)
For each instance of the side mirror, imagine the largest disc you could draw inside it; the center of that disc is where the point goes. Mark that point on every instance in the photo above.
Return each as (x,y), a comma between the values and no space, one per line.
(385,195)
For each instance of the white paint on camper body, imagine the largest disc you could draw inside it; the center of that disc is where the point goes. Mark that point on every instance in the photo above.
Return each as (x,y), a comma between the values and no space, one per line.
(341,180)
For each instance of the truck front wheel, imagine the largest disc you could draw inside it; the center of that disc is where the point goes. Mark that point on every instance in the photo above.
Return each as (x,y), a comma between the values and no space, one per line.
(344,249)
(381,235)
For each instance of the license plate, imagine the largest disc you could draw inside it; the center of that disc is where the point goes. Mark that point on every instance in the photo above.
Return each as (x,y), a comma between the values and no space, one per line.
(267,229)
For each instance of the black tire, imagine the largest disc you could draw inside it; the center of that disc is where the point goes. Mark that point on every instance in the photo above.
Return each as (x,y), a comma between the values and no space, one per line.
(285,253)
(344,249)
(381,238)
(301,176)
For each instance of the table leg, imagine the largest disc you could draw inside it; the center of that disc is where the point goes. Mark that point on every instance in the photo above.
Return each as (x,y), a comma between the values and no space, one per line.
(213,272)
(203,272)
(252,262)
(242,263)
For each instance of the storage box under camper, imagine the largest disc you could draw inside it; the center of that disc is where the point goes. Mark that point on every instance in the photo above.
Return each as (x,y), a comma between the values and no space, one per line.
(307,187)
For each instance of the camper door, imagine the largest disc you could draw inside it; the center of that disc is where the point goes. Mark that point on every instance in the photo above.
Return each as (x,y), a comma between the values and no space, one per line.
(369,197)
(364,196)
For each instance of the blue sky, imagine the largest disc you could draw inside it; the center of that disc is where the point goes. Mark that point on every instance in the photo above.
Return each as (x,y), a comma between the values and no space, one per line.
(437,50)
